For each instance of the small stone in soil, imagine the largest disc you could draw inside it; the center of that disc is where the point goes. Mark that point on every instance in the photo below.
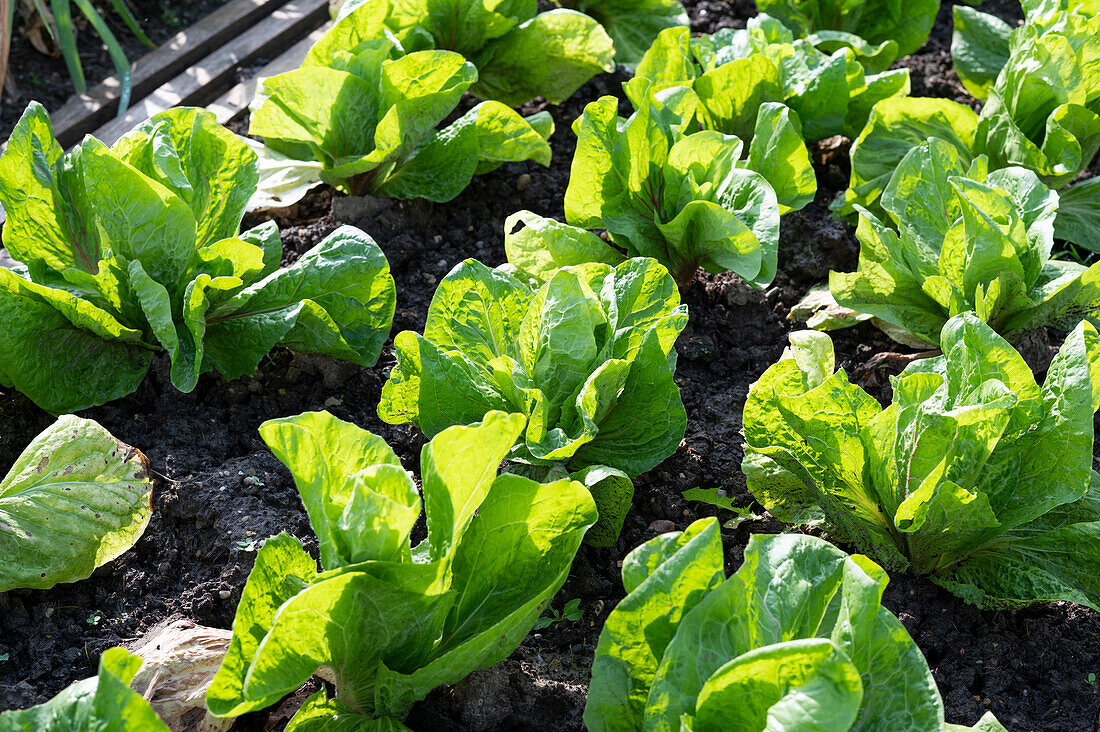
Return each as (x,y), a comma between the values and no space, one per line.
(662,526)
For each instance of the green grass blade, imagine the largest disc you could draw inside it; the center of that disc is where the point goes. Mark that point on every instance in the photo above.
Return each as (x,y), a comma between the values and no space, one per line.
(66,41)
(122,64)
(47,19)
(123,9)
(7,17)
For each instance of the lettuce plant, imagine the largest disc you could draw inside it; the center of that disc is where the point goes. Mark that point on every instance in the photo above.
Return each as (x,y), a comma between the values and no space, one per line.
(733,72)
(877,21)
(393,621)
(982,44)
(688,201)
(895,126)
(519,53)
(797,638)
(103,702)
(368,113)
(131,250)
(962,240)
(587,358)
(974,476)
(632,24)
(1040,114)
(74,500)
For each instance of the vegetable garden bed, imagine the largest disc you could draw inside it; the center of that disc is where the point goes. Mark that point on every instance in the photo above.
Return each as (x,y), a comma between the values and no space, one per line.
(220,491)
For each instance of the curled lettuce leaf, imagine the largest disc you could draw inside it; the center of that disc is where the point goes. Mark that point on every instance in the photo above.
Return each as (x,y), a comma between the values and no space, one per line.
(368,113)
(733,72)
(519,53)
(537,246)
(391,620)
(957,244)
(104,702)
(688,201)
(975,475)
(131,250)
(74,500)
(877,21)
(797,638)
(587,357)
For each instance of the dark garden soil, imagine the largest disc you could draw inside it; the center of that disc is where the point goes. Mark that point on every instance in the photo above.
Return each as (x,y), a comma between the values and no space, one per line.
(44,78)
(219,490)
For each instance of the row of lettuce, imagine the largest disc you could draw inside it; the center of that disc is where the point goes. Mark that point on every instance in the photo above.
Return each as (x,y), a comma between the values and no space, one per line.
(134,249)
(798,635)
(562,360)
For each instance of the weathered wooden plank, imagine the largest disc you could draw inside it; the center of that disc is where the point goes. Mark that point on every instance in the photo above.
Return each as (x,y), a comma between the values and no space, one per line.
(234,102)
(203,82)
(85,112)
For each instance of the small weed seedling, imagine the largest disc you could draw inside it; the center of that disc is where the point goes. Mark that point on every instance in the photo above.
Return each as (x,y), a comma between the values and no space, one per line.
(571,612)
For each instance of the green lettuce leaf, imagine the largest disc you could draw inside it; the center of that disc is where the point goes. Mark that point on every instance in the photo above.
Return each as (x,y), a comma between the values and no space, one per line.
(480,141)
(321,714)
(44,198)
(897,125)
(784,683)
(675,571)
(74,500)
(1038,83)
(1078,218)
(104,702)
(633,24)
(542,246)
(876,21)
(1038,113)
(113,357)
(200,161)
(979,49)
(336,299)
(551,56)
